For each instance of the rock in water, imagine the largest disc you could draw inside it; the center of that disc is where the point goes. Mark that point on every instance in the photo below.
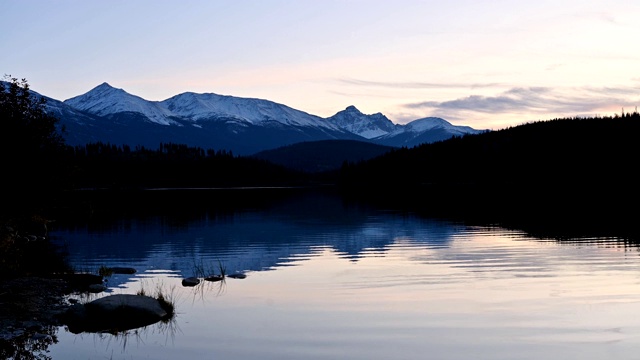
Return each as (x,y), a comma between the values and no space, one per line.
(115,313)
(122,270)
(96,288)
(214,278)
(190,281)
(237,276)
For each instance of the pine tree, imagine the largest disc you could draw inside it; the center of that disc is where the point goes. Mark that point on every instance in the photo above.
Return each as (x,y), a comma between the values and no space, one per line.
(26,127)
(30,144)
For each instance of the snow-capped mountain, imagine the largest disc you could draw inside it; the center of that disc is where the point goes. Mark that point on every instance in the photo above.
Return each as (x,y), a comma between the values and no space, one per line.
(430,123)
(210,106)
(242,125)
(105,100)
(367,126)
(426,130)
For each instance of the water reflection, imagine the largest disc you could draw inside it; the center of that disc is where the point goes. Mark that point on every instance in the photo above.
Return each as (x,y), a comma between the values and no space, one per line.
(284,233)
(248,240)
(348,281)
(110,342)
(31,345)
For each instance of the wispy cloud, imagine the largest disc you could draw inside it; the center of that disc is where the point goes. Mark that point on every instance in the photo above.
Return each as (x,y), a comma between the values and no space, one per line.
(367,94)
(496,104)
(538,100)
(418,85)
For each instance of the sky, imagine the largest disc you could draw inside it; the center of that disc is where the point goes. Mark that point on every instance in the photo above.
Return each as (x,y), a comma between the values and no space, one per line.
(484,64)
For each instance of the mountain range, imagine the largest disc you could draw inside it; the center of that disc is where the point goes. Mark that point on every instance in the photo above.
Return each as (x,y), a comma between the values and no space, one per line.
(243,126)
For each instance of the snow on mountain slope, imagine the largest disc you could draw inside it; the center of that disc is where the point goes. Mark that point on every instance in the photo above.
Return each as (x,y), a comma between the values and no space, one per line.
(245,124)
(431,123)
(209,105)
(367,126)
(106,100)
(427,123)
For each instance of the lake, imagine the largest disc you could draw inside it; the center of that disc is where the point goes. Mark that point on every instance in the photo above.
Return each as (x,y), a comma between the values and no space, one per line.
(331,279)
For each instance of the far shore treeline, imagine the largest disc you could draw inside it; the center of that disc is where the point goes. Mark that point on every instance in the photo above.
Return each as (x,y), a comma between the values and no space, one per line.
(107,166)
(580,171)
(562,168)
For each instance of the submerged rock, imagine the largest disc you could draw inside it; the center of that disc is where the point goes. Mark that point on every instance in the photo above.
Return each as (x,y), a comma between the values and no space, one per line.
(96,288)
(122,270)
(237,276)
(190,281)
(214,278)
(116,313)
(80,281)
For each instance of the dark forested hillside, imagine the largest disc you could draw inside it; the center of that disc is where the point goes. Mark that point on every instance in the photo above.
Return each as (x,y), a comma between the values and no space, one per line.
(323,155)
(100,165)
(562,167)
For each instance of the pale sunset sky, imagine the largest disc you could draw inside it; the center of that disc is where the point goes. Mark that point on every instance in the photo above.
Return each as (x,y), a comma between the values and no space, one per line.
(484,64)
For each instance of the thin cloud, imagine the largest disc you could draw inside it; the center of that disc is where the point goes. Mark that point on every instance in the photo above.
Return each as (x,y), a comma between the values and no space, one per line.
(538,100)
(361,94)
(417,85)
(603,16)
(554,67)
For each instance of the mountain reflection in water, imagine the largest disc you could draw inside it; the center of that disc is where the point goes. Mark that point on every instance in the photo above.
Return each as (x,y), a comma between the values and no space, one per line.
(350,281)
(248,240)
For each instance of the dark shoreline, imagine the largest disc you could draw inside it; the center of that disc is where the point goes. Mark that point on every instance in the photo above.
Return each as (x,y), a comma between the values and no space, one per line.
(30,315)
(558,213)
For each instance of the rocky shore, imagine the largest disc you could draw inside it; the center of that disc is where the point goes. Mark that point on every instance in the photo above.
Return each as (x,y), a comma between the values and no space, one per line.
(29,305)
(35,287)
(31,299)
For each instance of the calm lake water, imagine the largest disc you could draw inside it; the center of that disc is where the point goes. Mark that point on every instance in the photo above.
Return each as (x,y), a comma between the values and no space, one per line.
(332,280)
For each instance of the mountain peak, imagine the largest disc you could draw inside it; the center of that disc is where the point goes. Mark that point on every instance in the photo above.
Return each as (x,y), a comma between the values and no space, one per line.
(101,93)
(352,110)
(367,126)
(427,123)
(105,86)
(105,100)
(104,89)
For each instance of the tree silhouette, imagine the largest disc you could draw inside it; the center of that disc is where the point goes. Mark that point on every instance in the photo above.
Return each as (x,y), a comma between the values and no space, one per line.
(26,125)
(30,143)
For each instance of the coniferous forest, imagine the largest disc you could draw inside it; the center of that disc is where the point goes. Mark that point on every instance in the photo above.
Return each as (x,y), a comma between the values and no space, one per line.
(107,166)
(581,170)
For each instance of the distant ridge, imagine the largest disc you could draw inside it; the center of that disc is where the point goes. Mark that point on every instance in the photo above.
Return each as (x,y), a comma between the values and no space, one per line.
(323,155)
(243,126)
